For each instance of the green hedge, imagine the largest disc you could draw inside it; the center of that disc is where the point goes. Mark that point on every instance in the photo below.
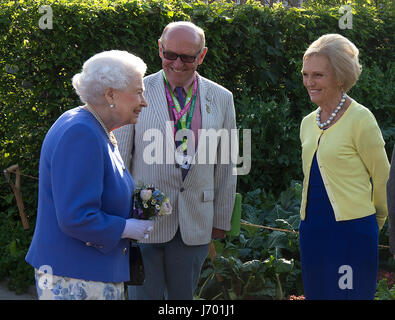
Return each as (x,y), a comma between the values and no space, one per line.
(254,51)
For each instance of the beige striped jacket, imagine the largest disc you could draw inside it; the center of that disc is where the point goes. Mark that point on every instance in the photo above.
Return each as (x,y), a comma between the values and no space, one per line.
(205,198)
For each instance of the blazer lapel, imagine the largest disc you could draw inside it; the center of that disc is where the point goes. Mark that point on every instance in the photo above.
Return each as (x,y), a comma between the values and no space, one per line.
(205,101)
(205,107)
(158,100)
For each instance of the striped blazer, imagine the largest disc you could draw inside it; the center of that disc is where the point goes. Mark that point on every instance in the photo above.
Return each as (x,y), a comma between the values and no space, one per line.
(205,198)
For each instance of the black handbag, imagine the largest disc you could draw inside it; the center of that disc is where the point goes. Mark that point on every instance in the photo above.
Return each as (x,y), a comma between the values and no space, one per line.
(136,265)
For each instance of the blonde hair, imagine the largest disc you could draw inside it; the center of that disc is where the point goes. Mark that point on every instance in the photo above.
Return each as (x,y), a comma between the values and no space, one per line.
(342,55)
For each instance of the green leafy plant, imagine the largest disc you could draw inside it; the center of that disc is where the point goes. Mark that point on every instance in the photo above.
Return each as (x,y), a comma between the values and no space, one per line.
(254,51)
(383,292)
(260,263)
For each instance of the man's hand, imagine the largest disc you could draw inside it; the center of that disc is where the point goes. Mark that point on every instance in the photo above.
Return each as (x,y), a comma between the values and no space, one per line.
(217,234)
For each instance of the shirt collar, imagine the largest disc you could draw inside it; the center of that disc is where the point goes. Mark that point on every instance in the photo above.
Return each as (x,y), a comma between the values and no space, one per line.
(187,86)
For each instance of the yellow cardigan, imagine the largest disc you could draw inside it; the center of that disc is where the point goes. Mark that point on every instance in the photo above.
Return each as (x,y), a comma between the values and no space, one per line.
(349,154)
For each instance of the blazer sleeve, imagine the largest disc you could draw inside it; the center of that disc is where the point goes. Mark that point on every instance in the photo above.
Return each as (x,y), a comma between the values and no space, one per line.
(391,203)
(77,174)
(225,177)
(370,147)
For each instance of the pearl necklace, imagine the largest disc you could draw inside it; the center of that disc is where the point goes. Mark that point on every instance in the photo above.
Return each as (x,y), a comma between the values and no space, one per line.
(110,135)
(333,115)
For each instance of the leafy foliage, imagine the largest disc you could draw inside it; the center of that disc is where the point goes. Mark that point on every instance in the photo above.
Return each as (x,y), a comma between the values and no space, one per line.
(383,292)
(260,263)
(254,51)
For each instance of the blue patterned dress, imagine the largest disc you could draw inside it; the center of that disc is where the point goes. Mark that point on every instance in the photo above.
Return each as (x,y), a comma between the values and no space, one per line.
(51,287)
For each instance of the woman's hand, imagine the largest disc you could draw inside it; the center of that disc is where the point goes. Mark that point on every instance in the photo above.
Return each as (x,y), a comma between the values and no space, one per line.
(137,229)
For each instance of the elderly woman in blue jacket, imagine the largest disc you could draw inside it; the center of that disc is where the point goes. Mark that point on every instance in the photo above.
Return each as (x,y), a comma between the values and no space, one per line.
(80,247)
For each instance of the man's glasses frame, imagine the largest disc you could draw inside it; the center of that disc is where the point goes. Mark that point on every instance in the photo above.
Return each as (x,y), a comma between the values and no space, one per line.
(184,57)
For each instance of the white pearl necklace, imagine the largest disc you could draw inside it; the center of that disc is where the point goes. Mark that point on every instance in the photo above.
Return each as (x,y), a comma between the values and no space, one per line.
(110,135)
(333,115)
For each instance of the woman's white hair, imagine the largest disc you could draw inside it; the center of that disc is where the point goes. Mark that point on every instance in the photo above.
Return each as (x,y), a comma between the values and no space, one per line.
(342,55)
(109,69)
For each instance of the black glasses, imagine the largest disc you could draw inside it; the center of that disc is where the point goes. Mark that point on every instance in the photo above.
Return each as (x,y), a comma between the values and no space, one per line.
(184,57)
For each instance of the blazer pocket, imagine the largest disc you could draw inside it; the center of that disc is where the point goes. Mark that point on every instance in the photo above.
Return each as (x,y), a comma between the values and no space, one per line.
(208,195)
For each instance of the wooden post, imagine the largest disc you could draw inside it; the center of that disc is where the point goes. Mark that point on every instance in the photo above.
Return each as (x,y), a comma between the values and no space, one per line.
(16,188)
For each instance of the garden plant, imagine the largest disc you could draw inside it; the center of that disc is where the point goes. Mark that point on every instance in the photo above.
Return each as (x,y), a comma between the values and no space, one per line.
(255,51)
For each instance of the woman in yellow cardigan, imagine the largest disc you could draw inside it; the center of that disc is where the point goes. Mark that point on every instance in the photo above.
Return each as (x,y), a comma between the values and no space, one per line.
(345,170)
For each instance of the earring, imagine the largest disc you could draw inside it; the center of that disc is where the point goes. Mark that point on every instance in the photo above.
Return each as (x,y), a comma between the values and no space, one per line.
(111,106)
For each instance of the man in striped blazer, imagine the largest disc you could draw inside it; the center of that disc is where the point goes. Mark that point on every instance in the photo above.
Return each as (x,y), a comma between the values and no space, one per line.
(196,173)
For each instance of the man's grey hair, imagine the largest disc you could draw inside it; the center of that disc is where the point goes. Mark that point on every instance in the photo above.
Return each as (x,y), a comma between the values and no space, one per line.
(189,24)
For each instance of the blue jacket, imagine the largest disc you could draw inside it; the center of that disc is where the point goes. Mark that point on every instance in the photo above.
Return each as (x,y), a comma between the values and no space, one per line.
(84,199)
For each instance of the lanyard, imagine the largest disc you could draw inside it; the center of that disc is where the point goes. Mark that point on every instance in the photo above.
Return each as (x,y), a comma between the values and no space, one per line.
(180,115)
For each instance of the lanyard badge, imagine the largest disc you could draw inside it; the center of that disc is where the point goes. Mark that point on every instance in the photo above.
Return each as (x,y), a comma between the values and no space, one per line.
(184,160)
(182,120)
